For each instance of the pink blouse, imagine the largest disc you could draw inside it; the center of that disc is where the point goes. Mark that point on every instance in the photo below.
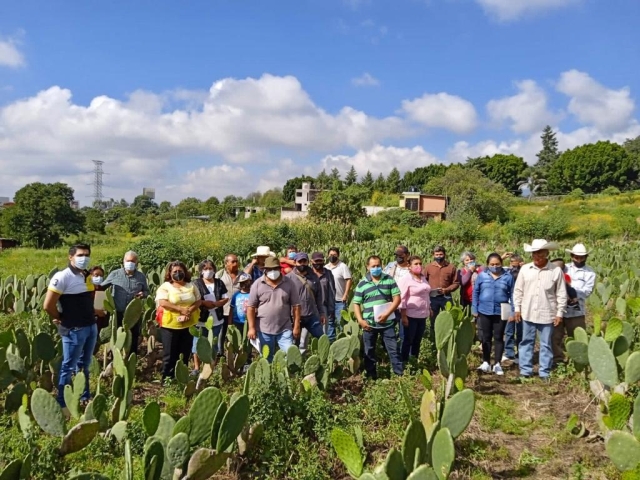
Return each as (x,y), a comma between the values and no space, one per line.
(414,296)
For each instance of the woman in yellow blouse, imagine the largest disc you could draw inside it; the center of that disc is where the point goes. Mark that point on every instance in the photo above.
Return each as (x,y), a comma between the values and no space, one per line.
(180,301)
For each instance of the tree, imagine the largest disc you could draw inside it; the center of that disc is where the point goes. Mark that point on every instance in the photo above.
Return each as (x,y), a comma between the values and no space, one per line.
(189,207)
(367,180)
(339,206)
(254,197)
(549,153)
(533,182)
(210,205)
(165,206)
(143,205)
(506,170)
(94,220)
(471,193)
(289,189)
(335,174)
(272,198)
(42,215)
(322,181)
(419,177)
(351,178)
(592,168)
(380,184)
(393,181)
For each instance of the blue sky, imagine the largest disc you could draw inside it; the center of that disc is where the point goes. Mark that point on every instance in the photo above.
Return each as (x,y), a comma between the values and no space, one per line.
(209,98)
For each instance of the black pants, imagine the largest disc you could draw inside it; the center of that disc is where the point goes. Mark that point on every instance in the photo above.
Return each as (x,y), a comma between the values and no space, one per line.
(492,328)
(135,332)
(175,342)
(413,337)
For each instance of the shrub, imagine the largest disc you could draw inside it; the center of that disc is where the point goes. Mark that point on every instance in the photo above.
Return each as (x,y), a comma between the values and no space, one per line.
(576,194)
(551,225)
(611,191)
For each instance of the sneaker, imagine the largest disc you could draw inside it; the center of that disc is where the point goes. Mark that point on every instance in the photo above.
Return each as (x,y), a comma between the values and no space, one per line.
(497,369)
(485,367)
(506,359)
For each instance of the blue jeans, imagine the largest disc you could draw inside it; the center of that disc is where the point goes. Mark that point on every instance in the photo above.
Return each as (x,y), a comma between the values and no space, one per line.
(77,352)
(330,328)
(310,325)
(413,337)
(284,340)
(390,341)
(205,333)
(512,339)
(527,345)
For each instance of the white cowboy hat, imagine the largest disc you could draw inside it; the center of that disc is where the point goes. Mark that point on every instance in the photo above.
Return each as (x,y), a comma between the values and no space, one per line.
(579,250)
(263,252)
(540,244)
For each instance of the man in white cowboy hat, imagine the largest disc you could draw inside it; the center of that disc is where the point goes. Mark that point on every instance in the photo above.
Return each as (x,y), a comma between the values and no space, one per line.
(257,262)
(540,300)
(583,280)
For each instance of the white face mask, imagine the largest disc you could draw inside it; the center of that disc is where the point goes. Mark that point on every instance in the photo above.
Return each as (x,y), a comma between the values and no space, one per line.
(96,280)
(208,274)
(273,274)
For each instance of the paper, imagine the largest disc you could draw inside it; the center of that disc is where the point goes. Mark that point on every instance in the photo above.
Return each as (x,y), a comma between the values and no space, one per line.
(98,300)
(380,309)
(256,344)
(505,311)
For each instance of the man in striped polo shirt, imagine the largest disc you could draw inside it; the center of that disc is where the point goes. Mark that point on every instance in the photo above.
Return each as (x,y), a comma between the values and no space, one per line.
(378,291)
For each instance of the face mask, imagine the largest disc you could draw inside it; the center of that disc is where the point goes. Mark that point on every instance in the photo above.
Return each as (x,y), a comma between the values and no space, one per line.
(301,268)
(245,286)
(333,258)
(495,269)
(178,276)
(375,271)
(579,264)
(129,266)
(439,259)
(417,269)
(208,274)
(399,258)
(292,255)
(273,274)
(96,280)
(318,266)
(471,264)
(82,262)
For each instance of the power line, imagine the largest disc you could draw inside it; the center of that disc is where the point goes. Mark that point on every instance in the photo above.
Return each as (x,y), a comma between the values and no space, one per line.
(97,182)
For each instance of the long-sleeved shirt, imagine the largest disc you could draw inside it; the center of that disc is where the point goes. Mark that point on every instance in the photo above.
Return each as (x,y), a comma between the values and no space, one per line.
(414,296)
(582,280)
(489,293)
(126,287)
(467,279)
(310,293)
(442,275)
(328,287)
(540,294)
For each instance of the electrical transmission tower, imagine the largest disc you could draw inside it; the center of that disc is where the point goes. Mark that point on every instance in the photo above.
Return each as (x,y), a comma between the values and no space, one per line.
(97,182)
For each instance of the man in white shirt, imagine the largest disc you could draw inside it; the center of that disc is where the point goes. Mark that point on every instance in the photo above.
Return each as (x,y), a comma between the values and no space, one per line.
(583,280)
(342,277)
(540,298)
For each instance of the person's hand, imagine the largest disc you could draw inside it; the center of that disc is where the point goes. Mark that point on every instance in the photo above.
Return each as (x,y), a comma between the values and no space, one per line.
(323,320)
(430,313)
(382,317)
(506,255)
(557,321)
(251,333)
(405,321)
(139,294)
(517,317)
(364,325)
(56,321)
(185,310)
(511,318)
(344,299)
(475,315)
(254,261)
(296,331)
(441,291)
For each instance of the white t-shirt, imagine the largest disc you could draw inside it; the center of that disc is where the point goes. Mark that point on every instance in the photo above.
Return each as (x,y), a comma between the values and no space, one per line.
(341,274)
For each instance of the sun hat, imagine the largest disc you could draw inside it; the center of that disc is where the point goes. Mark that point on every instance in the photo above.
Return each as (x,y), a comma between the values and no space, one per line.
(540,244)
(578,250)
(263,252)
(271,262)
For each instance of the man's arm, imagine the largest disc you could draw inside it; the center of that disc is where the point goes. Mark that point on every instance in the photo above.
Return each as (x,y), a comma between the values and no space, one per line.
(587,289)
(518,295)
(51,306)
(296,310)
(455,283)
(251,318)
(347,289)
(561,295)
(249,268)
(109,280)
(358,314)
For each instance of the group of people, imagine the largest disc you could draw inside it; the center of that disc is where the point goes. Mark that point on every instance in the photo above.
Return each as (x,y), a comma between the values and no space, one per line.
(282,301)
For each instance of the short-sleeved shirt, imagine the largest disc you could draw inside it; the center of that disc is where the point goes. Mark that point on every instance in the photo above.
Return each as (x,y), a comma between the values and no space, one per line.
(341,274)
(76,297)
(126,287)
(274,304)
(368,294)
(183,296)
(239,303)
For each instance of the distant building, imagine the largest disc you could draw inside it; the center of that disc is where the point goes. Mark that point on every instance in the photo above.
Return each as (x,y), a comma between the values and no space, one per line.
(4,200)
(427,206)
(75,204)
(7,243)
(149,193)
(305,196)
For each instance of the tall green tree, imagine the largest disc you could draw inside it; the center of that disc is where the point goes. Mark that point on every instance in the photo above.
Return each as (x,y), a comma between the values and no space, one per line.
(143,205)
(339,206)
(290,187)
(165,206)
(393,184)
(418,178)
(351,178)
(549,153)
(367,180)
(42,215)
(210,206)
(189,207)
(507,170)
(592,168)
(335,174)
(380,185)
(272,198)
(323,181)
(94,220)
(533,183)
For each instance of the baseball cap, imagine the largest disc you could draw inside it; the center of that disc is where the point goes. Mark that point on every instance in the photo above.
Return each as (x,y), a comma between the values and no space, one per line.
(243,277)
(317,256)
(302,256)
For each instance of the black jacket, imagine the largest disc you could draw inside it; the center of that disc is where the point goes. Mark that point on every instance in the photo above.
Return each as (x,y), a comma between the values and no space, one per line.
(219,289)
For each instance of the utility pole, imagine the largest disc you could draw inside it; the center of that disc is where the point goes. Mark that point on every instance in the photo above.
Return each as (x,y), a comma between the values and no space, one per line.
(97,183)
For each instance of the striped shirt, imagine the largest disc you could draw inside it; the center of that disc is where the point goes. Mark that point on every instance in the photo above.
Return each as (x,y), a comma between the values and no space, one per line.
(368,294)
(540,294)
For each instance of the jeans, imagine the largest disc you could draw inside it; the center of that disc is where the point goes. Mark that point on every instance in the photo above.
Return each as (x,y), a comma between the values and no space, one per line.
(512,339)
(135,332)
(330,328)
(370,338)
(527,345)
(492,328)
(205,333)
(284,340)
(175,342)
(77,352)
(569,324)
(310,325)
(413,337)
(438,304)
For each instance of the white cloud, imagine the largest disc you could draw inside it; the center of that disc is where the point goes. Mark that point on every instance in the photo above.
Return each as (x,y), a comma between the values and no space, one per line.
(508,10)
(594,104)
(380,159)
(527,110)
(365,80)
(526,148)
(10,54)
(442,110)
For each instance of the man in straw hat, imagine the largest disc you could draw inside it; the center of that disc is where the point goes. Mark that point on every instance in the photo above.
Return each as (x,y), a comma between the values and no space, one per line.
(583,280)
(256,267)
(540,299)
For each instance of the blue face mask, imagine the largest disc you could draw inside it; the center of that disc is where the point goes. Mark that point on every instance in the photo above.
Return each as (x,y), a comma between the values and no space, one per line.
(495,269)
(82,263)
(471,264)
(375,271)
(129,266)
(292,255)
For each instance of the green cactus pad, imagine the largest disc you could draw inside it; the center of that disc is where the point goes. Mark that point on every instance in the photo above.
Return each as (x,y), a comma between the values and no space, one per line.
(202,413)
(12,471)
(132,313)
(119,430)
(215,428)
(98,406)
(13,401)
(623,450)
(443,363)
(151,418)
(294,359)
(443,453)
(178,450)
(47,413)
(79,437)
(428,413)
(182,372)
(414,445)
(635,421)
(153,460)
(183,425)
(312,364)
(602,361)
(203,350)
(464,337)
(423,472)
(443,329)
(348,451)
(16,365)
(580,335)
(394,466)
(323,348)
(458,411)
(44,347)
(614,329)
(619,411)
(118,362)
(165,427)
(340,349)
(233,423)
(26,427)
(204,463)
(578,351)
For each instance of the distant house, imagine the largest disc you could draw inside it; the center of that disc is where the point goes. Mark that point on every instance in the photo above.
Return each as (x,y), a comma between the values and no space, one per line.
(305,196)
(7,243)
(427,206)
